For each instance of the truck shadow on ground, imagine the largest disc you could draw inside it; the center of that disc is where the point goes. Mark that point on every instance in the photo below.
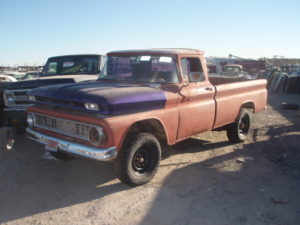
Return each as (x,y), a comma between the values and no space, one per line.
(31,184)
(200,193)
(223,190)
(192,145)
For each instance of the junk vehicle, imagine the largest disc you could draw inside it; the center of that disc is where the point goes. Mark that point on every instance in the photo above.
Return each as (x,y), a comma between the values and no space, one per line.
(143,99)
(58,70)
(5,80)
(234,70)
(15,74)
(31,75)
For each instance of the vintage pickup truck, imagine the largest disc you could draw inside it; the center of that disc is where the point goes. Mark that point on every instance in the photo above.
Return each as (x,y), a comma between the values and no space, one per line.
(58,70)
(143,99)
(235,70)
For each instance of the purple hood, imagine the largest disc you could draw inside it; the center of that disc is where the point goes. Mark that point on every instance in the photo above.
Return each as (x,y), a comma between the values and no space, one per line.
(112,98)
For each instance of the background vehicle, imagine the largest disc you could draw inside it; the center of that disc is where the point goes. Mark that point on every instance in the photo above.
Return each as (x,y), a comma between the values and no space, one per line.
(58,70)
(295,73)
(17,75)
(234,70)
(5,80)
(143,100)
(31,75)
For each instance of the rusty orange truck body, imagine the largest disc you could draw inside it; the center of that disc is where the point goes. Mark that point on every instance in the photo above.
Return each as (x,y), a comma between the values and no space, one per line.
(142,100)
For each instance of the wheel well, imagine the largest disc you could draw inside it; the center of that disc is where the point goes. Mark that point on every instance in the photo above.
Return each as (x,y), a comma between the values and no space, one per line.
(249,105)
(152,126)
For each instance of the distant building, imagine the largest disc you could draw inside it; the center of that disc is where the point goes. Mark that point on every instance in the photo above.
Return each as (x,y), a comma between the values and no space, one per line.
(21,68)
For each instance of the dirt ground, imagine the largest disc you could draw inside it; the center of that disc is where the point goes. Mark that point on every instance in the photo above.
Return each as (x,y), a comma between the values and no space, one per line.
(204,180)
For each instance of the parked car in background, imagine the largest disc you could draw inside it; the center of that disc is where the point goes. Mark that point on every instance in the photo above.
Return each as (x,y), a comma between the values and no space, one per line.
(31,75)
(297,73)
(17,75)
(234,70)
(57,70)
(5,80)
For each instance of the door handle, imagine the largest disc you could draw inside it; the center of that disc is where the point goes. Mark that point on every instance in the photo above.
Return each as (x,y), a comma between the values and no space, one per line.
(208,89)
(189,98)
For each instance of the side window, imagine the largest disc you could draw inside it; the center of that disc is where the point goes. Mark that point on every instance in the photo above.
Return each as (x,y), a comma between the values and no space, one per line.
(185,68)
(192,69)
(52,67)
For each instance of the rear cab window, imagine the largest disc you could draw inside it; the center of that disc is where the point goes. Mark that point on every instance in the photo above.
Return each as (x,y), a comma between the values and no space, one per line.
(192,69)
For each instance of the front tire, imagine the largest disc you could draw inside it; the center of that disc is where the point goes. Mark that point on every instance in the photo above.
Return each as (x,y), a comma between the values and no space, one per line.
(138,160)
(238,131)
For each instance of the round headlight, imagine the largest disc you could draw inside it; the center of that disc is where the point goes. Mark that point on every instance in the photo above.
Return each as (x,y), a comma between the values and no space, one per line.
(30,120)
(91,106)
(96,135)
(10,98)
(31,98)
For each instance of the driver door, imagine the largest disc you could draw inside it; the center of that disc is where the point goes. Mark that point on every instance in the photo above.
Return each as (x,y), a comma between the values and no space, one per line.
(197,105)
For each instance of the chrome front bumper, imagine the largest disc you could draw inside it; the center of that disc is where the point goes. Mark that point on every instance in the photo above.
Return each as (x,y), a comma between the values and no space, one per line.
(56,144)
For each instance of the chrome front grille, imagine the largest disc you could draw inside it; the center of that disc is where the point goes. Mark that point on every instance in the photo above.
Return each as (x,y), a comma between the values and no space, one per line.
(62,126)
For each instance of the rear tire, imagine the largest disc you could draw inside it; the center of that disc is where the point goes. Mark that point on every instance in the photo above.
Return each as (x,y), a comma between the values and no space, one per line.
(238,131)
(138,160)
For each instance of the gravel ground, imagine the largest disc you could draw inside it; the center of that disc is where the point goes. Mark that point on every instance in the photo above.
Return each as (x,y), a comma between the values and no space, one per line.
(203,180)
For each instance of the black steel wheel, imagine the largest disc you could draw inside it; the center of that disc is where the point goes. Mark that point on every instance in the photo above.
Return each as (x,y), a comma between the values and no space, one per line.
(138,160)
(141,162)
(238,131)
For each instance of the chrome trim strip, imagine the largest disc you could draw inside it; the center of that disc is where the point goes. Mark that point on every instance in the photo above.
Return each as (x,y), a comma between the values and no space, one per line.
(101,154)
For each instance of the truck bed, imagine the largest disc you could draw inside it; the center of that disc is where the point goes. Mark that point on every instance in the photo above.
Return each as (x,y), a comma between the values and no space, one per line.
(217,79)
(229,97)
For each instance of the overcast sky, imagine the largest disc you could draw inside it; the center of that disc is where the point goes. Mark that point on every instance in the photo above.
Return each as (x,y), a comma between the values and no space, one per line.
(32,31)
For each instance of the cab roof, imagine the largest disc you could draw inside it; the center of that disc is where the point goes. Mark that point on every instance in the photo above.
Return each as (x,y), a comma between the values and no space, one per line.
(74,55)
(159,51)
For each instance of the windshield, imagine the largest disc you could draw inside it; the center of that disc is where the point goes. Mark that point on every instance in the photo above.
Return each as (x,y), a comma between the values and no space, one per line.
(141,68)
(71,65)
(31,75)
(232,68)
